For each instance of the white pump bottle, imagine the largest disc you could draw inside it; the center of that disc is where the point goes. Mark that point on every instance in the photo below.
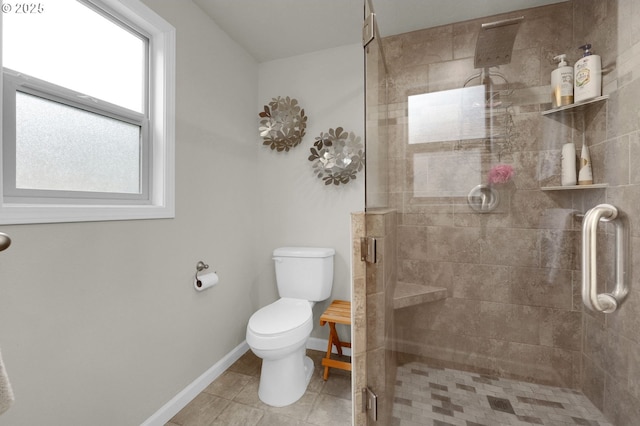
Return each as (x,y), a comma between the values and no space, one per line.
(588,76)
(562,83)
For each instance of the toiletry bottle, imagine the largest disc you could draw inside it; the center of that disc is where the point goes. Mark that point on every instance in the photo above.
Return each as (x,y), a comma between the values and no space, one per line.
(562,83)
(585,175)
(568,165)
(588,76)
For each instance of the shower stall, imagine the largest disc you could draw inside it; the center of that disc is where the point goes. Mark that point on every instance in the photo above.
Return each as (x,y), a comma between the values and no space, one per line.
(468,298)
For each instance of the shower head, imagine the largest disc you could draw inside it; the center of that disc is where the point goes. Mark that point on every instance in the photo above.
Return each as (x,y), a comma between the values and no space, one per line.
(495,42)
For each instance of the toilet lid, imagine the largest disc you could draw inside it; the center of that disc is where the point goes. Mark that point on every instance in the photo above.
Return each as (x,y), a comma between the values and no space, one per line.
(281,316)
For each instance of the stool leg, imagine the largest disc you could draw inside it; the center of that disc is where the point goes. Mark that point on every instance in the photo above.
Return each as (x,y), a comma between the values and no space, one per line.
(334,337)
(325,376)
(333,340)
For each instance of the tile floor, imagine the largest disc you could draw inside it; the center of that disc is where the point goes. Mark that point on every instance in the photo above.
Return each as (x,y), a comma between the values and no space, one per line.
(443,397)
(232,399)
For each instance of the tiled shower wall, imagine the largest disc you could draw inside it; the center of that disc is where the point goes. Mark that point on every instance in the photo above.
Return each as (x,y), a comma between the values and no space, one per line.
(358,319)
(374,354)
(512,275)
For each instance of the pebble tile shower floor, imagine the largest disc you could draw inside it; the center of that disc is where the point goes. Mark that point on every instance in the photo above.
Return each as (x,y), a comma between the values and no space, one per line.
(442,397)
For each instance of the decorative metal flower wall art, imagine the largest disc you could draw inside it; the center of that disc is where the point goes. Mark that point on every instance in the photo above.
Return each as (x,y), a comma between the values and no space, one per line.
(282,124)
(337,156)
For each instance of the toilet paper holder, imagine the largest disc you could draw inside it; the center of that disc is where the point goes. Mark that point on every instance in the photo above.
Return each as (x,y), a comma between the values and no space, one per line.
(201,266)
(204,281)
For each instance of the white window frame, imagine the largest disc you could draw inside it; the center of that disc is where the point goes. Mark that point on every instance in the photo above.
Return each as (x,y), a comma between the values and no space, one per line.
(160,171)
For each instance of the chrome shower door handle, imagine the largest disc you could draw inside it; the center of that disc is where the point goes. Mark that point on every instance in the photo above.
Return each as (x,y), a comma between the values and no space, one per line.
(604,302)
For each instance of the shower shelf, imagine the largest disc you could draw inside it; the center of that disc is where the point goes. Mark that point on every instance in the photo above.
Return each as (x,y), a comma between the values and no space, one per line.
(576,107)
(574,187)
(407,294)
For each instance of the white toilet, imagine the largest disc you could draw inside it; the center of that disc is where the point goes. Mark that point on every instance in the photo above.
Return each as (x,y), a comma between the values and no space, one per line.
(278,332)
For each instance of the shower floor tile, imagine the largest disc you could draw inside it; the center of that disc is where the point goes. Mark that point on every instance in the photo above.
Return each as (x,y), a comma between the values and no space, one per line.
(442,397)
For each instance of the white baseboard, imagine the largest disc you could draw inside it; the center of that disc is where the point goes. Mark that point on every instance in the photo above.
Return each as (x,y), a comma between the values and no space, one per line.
(178,402)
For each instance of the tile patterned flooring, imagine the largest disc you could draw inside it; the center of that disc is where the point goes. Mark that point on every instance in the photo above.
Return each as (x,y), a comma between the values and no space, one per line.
(232,399)
(443,397)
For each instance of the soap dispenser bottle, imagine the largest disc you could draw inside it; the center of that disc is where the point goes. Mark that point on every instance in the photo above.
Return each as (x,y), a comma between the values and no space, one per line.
(562,83)
(588,76)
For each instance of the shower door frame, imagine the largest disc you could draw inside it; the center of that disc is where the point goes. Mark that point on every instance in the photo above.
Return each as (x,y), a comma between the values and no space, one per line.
(374,262)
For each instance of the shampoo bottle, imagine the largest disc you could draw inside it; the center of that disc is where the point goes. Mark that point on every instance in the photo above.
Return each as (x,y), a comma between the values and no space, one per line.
(562,83)
(588,76)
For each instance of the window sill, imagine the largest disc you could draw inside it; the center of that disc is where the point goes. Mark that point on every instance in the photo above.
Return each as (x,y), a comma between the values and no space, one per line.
(17,214)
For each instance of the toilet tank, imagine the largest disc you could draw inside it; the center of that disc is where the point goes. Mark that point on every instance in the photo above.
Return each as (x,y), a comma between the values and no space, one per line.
(304,272)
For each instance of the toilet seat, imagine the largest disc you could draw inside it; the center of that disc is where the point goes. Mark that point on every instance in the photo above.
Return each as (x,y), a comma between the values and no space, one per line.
(282,323)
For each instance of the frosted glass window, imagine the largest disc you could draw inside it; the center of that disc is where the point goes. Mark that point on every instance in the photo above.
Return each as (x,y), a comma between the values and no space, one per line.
(60,147)
(433,175)
(71,45)
(88,112)
(450,115)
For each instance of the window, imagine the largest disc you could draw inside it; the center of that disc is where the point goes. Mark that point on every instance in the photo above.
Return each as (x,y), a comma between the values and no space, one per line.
(87,112)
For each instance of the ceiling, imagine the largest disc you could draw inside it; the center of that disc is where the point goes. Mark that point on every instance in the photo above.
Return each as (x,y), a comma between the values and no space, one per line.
(273,29)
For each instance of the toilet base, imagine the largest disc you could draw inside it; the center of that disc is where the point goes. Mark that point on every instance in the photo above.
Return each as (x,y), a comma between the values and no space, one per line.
(283,381)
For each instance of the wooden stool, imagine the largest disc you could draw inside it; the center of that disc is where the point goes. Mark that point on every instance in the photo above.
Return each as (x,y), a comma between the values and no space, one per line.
(339,312)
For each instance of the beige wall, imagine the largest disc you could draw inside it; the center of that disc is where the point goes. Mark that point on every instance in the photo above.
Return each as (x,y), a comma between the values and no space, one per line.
(296,207)
(99,322)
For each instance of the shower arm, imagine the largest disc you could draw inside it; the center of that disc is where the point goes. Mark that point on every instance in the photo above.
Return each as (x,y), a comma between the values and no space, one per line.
(502,23)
